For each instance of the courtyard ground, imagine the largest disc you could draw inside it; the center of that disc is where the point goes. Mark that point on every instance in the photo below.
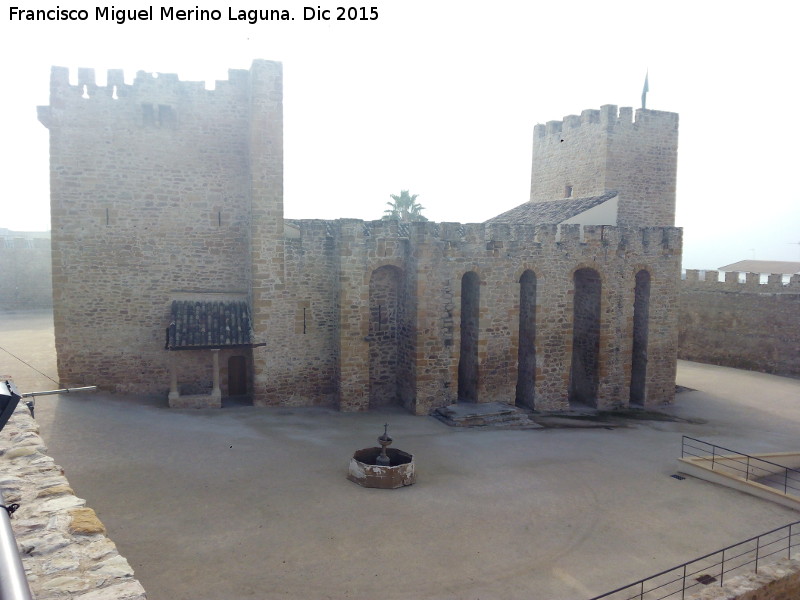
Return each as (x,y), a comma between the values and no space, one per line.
(250,502)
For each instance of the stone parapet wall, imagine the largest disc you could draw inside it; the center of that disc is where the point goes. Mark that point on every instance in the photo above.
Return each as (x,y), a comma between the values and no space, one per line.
(777,581)
(63,545)
(748,325)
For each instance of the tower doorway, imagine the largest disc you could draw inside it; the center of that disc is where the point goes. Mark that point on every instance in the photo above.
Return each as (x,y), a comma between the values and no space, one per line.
(237,376)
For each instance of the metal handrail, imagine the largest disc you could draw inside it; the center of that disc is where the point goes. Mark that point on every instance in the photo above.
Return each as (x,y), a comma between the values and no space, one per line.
(13,582)
(740,458)
(716,570)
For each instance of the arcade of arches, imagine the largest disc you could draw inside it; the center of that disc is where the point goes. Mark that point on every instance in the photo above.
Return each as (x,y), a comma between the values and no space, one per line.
(391,338)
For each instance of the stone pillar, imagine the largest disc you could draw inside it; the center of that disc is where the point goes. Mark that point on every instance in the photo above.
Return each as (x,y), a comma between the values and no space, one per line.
(174,394)
(216,393)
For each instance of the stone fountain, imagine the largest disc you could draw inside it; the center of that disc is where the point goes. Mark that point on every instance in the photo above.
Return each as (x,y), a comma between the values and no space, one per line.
(384,467)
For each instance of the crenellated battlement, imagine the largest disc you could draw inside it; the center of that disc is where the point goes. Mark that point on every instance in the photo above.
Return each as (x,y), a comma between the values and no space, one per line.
(154,96)
(648,240)
(740,282)
(608,116)
(144,83)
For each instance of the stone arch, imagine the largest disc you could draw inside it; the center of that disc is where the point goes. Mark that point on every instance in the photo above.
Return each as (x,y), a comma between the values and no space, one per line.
(374,265)
(526,349)
(386,318)
(641,321)
(585,367)
(468,372)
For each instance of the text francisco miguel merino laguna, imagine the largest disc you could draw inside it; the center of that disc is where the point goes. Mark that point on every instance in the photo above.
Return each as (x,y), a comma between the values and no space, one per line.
(170,13)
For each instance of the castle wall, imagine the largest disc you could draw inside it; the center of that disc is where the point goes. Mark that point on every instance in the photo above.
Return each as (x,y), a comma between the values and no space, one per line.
(607,149)
(150,195)
(746,325)
(437,258)
(307,354)
(162,190)
(26,272)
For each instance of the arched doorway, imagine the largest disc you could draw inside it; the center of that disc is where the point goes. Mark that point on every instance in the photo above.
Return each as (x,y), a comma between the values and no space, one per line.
(526,367)
(385,307)
(641,314)
(584,373)
(470,321)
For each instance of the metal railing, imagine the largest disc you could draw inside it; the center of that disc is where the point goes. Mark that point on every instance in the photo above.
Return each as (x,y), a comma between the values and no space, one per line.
(713,568)
(738,464)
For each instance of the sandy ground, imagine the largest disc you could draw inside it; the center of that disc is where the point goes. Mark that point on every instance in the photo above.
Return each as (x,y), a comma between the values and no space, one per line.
(250,502)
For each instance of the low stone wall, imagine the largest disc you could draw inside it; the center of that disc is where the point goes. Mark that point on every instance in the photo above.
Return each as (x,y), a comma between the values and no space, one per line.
(748,325)
(63,545)
(777,581)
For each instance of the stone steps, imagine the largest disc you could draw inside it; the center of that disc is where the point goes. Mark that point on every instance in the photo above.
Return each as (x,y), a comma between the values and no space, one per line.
(485,414)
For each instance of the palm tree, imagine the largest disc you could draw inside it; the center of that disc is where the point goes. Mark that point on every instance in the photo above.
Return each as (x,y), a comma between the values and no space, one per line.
(404,208)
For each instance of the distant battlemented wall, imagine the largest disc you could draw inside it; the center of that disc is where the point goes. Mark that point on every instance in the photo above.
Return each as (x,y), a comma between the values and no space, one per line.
(748,325)
(25,269)
(604,150)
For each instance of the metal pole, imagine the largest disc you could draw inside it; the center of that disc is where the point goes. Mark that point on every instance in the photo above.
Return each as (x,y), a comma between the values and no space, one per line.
(89,388)
(758,544)
(13,582)
(683,585)
(713,456)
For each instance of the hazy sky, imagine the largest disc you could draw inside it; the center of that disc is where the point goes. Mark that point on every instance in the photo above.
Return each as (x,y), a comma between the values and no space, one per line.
(441,98)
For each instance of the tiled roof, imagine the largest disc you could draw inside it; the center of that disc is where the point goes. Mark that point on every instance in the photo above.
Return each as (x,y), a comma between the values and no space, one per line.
(764,266)
(551,212)
(206,324)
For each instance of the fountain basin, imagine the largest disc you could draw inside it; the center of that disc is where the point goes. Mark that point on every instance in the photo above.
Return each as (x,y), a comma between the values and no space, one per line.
(366,473)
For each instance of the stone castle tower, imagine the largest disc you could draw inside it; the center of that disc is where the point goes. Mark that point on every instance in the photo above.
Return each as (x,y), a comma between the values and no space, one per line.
(160,191)
(607,150)
(175,272)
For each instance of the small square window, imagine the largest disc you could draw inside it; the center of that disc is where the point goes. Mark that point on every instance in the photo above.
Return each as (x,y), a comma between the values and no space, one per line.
(568,191)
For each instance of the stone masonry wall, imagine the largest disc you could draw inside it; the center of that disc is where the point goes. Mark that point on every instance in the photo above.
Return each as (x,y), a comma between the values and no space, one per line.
(604,150)
(25,271)
(743,325)
(436,257)
(62,543)
(307,354)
